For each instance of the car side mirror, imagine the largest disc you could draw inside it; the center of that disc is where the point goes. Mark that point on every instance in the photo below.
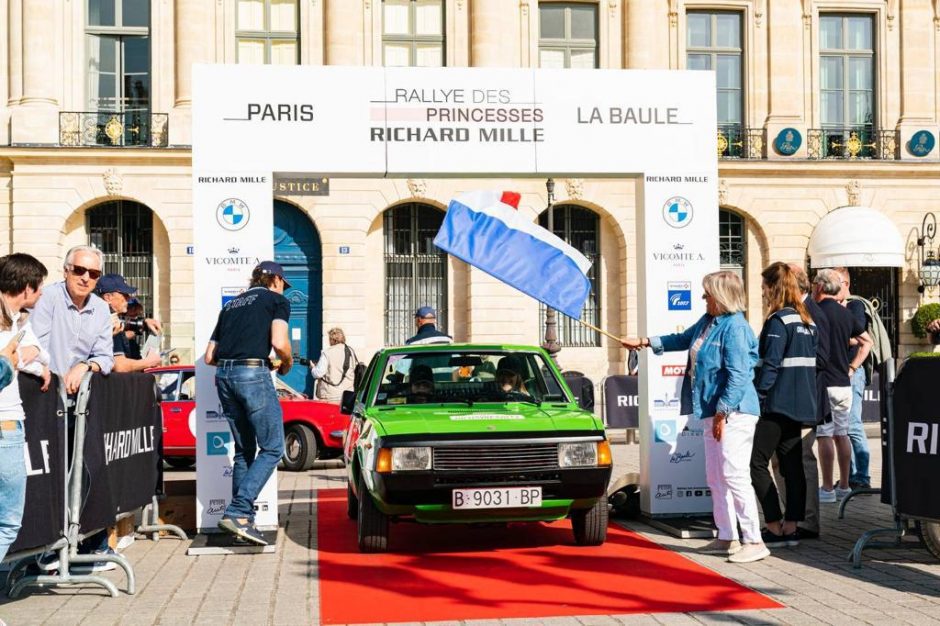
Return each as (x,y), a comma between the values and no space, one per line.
(347,403)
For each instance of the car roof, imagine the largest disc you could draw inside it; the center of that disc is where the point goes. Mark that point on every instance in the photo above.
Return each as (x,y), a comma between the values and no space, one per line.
(461,347)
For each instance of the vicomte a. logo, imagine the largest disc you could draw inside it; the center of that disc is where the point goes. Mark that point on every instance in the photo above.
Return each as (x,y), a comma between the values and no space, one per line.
(677,211)
(232,214)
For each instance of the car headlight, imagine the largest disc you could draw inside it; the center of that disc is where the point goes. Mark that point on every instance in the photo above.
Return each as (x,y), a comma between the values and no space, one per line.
(577,454)
(404,459)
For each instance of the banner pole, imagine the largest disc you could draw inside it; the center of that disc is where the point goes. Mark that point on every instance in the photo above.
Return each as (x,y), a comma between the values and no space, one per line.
(601,331)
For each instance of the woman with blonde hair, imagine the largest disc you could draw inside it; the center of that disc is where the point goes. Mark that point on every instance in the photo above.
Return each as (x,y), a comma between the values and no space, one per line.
(786,388)
(336,368)
(718,388)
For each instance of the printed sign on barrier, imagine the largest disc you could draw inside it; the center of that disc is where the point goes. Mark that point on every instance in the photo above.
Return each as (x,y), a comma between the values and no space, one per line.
(44,511)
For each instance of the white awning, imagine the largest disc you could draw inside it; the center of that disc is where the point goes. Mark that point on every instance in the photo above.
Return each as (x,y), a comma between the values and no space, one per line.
(856,236)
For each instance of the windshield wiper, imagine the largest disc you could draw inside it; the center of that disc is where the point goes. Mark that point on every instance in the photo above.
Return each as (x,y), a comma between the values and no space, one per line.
(518,396)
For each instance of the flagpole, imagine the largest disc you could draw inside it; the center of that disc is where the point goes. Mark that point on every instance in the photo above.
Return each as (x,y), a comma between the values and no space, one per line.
(601,331)
(551,334)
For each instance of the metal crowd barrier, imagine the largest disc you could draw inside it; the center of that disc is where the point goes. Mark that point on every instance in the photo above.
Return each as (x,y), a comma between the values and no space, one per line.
(67,546)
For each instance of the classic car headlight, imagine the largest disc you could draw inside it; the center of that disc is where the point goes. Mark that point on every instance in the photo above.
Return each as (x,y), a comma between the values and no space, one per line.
(584,454)
(411,459)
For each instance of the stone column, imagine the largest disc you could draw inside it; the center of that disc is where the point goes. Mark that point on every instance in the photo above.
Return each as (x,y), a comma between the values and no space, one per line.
(785,57)
(345,22)
(495,31)
(35,119)
(918,95)
(647,31)
(193,25)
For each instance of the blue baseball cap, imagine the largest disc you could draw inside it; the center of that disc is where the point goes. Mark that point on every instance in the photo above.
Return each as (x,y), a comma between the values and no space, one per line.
(426,312)
(275,269)
(111,283)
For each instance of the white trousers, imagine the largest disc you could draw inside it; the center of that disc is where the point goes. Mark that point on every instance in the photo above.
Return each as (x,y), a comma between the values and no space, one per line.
(728,472)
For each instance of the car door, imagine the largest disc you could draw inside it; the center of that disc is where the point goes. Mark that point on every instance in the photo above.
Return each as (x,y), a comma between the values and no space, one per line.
(178,402)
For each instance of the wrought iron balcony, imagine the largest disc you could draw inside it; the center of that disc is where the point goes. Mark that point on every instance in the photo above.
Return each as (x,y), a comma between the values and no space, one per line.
(851,143)
(737,142)
(113,128)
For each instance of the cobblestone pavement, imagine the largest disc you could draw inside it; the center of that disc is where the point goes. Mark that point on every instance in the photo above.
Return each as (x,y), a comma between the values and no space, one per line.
(814,581)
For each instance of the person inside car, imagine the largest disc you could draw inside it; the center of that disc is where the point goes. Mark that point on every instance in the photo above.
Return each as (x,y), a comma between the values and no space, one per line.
(509,381)
(421,384)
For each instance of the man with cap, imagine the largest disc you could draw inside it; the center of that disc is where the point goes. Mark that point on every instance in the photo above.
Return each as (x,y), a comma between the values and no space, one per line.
(114,290)
(248,328)
(425,321)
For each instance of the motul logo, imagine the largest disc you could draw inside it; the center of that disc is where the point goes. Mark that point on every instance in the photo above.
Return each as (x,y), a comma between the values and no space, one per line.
(673,370)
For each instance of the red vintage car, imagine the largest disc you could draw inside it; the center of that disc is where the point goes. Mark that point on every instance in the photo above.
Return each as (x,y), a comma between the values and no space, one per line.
(312,429)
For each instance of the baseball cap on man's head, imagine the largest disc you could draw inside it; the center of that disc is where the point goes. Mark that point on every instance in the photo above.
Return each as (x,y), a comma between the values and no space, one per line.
(275,269)
(110,283)
(426,312)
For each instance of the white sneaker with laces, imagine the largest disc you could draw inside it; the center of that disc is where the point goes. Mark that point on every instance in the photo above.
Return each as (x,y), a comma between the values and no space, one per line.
(827,495)
(841,493)
(749,553)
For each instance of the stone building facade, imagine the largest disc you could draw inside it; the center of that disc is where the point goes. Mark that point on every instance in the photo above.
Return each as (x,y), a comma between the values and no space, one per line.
(823,104)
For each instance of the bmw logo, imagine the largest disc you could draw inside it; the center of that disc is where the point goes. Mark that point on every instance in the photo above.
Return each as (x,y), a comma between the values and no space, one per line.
(677,212)
(232,214)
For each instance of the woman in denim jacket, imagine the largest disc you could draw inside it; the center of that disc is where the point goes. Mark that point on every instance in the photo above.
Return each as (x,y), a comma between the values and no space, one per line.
(718,388)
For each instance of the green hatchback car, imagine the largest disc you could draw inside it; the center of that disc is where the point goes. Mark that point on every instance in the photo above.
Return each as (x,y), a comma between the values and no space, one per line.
(471,434)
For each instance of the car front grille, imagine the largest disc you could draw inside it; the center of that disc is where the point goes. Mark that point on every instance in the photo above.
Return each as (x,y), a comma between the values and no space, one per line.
(490,457)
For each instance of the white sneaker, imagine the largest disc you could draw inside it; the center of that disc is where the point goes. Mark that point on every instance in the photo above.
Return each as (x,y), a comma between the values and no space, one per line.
(724,547)
(749,553)
(841,493)
(827,495)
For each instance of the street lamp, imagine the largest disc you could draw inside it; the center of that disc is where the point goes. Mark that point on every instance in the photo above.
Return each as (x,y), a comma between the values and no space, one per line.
(551,325)
(928,270)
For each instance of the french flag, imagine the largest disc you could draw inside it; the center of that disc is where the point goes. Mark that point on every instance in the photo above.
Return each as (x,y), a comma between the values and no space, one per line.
(484,229)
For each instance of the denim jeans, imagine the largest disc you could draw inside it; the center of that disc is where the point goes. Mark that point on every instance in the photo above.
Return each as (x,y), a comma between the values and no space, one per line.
(12,486)
(858,472)
(251,407)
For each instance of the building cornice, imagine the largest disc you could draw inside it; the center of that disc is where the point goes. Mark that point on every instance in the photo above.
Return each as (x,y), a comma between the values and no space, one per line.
(55,155)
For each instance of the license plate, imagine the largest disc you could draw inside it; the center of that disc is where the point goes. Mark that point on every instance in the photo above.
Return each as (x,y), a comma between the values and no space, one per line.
(504,498)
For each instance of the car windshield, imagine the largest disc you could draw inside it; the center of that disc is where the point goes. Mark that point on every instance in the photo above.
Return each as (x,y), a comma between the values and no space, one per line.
(468,377)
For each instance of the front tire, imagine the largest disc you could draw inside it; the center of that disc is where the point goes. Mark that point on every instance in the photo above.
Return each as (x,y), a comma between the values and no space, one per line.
(930,534)
(373,523)
(300,448)
(590,525)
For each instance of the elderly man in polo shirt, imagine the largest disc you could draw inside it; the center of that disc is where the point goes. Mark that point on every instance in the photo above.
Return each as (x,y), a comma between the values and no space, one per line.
(74,325)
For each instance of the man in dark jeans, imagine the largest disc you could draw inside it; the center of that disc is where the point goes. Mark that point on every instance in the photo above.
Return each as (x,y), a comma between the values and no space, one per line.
(248,328)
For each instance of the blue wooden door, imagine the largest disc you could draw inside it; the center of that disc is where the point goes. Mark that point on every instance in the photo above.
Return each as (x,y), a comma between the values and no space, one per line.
(297,248)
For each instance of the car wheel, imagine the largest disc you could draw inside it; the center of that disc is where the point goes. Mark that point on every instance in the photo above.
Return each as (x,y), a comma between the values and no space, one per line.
(352,503)
(180,462)
(300,448)
(373,523)
(930,534)
(590,525)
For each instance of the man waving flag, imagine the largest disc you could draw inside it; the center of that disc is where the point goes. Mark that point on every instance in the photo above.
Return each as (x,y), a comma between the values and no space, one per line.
(484,229)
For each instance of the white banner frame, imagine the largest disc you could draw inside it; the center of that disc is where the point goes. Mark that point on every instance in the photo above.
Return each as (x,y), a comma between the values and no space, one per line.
(657,126)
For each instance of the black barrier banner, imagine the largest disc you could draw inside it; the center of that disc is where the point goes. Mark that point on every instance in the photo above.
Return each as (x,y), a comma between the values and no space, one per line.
(871,404)
(123,439)
(916,453)
(44,513)
(621,403)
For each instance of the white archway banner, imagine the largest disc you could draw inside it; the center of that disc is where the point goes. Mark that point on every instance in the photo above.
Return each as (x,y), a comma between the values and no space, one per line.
(655,126)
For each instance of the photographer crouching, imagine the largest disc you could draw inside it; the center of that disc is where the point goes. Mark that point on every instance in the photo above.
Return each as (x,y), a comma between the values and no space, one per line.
(114,290)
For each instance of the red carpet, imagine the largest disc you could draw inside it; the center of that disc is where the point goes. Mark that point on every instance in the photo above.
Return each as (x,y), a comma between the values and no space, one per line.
(526,570)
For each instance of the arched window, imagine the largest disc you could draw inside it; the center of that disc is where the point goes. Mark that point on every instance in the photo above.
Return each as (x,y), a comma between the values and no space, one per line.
(579,228)
(732,243)
(123,230)
(415,269)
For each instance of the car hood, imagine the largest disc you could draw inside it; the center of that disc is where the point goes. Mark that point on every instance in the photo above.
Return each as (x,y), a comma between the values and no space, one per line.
(482,418)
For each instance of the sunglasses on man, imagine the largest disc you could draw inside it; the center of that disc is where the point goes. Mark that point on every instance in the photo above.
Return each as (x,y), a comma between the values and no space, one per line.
(78,270)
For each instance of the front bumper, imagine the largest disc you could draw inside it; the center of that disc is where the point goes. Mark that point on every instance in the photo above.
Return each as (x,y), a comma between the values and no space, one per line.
(427,494)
